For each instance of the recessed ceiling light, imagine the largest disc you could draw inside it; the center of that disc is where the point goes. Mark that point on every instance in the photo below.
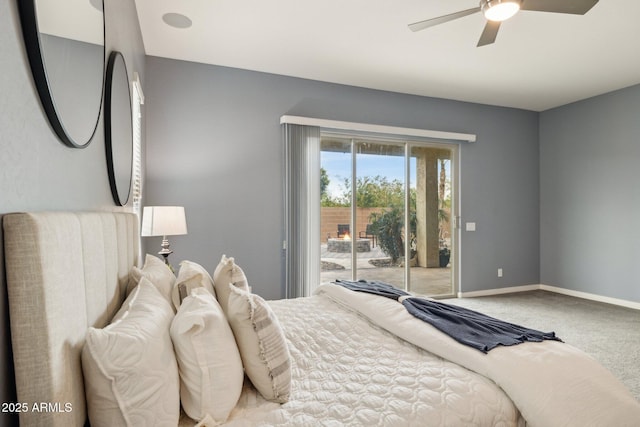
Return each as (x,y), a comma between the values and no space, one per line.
(176,20)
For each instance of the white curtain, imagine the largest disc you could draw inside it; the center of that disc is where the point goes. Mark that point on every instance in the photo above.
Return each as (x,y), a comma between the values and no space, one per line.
(302,209)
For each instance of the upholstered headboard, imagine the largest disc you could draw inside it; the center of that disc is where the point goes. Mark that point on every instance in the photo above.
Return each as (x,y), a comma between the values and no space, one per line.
(65,271)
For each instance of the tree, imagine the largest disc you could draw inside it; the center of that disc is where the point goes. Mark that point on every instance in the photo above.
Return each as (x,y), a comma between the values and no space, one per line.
(444,200)
(324,182)
(378,192)
(373,192)
(389,225)
(389,228)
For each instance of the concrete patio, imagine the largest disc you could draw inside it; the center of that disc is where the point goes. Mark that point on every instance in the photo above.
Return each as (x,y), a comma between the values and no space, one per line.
(423,281)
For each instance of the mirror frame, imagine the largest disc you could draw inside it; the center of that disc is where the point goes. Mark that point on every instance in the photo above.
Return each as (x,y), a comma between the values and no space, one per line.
(31,34)
(111,126)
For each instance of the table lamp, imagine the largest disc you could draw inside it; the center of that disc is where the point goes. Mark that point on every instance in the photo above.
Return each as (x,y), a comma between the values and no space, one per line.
(163,221)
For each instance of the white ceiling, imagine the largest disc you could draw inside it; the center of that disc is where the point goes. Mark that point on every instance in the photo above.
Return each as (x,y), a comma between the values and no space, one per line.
(539,60)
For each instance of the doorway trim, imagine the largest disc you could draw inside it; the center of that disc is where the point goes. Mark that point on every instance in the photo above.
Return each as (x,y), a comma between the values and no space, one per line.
(304,282)
(407,144)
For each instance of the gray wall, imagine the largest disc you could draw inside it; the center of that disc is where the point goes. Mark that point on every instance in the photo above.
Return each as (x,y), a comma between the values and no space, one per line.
(37,172)
(590,195)
(215,147)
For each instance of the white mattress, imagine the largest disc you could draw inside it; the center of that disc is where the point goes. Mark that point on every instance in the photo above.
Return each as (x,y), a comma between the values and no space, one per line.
(346,371)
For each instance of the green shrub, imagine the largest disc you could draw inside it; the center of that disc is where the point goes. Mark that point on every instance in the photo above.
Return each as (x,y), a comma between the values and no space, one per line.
(388,226)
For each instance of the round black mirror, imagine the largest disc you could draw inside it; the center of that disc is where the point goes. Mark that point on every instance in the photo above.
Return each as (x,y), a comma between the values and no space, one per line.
(65,46)
(118,128)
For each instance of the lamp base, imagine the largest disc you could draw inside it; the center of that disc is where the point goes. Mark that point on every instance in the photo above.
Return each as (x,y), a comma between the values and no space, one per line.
(165,252)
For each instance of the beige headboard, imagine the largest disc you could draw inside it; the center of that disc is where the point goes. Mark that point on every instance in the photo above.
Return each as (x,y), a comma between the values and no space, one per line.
(65,271)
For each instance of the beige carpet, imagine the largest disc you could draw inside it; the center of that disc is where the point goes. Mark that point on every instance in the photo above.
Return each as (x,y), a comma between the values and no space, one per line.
(609,333)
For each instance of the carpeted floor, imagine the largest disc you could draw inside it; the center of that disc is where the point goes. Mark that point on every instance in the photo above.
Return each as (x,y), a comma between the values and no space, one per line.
(609,333)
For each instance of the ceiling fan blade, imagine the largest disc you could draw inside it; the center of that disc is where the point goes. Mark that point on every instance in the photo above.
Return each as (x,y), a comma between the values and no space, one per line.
(576,7)
(489,33)
(417,26)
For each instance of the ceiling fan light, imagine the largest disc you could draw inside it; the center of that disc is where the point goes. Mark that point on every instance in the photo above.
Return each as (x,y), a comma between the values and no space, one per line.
(499,10)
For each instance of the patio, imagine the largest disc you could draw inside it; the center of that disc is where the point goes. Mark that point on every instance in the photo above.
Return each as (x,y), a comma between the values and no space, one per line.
(424,281)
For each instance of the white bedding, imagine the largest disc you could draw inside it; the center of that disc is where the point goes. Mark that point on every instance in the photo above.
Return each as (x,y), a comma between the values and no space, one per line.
(346,371)
(68,271)
(551,383)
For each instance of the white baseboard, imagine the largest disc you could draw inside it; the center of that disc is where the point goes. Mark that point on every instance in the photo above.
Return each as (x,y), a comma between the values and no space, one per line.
(578,294)
(592,297)
(498,291)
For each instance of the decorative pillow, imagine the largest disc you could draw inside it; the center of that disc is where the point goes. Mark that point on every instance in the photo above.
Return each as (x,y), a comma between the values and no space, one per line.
(228,272)
(191,275)
(262,344)
(158,274)
(211,373)
(130,370)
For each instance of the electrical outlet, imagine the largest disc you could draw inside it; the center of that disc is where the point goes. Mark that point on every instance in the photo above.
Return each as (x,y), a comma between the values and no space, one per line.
(499,272)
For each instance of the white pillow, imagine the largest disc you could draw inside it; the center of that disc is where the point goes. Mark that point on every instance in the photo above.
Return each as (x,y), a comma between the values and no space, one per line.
(158,274)
(211,374)
(130,370)
(262,344)
(228,272)
(192,275)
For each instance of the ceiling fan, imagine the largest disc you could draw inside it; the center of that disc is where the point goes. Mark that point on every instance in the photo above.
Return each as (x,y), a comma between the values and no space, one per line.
(496,11)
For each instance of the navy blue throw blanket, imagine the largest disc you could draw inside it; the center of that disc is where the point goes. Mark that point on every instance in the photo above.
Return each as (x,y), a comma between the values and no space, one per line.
(373,287)
(466,326)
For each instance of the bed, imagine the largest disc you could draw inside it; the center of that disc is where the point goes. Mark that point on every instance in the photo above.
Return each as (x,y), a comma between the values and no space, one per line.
(353,359)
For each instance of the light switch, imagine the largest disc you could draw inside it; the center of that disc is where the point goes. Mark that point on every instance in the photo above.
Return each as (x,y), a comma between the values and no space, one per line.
(470,226)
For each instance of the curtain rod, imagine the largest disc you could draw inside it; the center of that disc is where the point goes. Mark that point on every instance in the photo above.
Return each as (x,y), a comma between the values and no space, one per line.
(381,129)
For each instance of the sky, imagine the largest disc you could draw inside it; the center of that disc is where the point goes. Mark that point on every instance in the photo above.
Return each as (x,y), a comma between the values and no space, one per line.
(338,167)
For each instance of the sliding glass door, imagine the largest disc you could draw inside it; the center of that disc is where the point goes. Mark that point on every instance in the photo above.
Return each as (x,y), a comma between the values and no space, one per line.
(386,209)
(336,173)
(432,221)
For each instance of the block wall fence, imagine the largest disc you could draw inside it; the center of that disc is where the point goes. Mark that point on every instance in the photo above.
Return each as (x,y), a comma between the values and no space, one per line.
(330,217)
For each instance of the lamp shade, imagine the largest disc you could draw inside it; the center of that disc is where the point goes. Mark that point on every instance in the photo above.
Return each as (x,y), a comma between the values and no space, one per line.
(163,221)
